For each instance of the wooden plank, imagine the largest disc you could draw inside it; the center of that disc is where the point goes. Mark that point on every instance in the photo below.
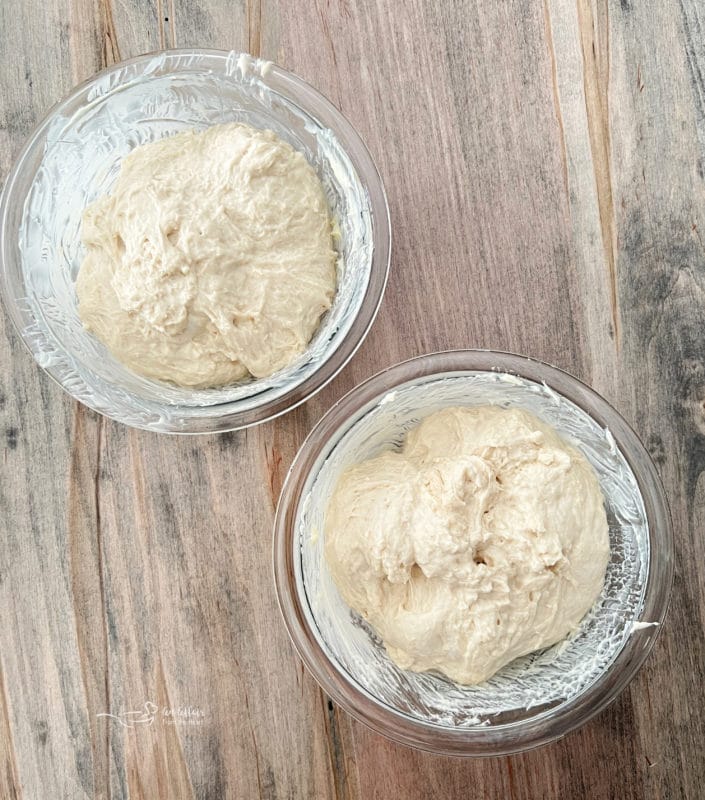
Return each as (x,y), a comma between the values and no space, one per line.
(544,165)
(45,752)
(658,178)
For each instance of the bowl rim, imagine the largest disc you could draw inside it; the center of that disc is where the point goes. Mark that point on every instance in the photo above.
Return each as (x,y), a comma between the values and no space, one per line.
(299,93)
(511,737)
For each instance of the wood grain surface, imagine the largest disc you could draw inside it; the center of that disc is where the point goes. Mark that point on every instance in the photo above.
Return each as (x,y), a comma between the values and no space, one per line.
(545,167)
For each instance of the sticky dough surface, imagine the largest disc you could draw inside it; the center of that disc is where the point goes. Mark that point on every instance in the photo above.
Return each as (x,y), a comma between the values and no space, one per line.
(212,258)
(484,539)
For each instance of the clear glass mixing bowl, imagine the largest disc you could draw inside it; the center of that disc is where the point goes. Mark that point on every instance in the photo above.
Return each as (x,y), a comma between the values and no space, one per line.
(74,155)
(539,697)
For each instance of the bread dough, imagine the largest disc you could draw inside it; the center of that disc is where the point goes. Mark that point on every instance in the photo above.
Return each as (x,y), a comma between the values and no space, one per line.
(212,258)
(484,539)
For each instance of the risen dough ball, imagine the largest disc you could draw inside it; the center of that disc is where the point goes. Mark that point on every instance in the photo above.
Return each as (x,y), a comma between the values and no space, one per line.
(212,258)
(484,539)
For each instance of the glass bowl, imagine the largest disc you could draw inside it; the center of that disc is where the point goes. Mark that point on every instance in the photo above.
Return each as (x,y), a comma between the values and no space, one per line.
(74,155)
(536,698)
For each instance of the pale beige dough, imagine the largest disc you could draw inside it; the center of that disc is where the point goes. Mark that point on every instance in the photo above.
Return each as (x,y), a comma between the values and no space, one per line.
(212,258)
(484,539)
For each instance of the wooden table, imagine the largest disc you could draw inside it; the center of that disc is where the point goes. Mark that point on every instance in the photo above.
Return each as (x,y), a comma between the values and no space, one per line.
(545,167)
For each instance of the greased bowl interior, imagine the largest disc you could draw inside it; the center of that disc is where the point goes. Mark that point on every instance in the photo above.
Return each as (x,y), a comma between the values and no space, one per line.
(74,155)
(539,697)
